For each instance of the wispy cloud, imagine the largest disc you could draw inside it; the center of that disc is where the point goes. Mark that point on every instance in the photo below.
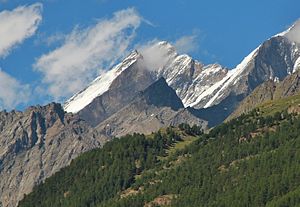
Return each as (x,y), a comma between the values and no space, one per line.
(186,44)
(85,52)
(12,92)
(293,33)
(156,54)
(17,25)
(57,37)
(50,40)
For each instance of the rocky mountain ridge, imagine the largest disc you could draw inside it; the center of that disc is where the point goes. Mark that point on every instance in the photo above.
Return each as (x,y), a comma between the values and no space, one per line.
(38,142)
(35,144)
(268,91)
(156,107)
(207,88)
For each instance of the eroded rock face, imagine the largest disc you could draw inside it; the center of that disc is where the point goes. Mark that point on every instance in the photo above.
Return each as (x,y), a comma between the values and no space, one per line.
(37,143)
(121,92)
(156,107)
(268,91)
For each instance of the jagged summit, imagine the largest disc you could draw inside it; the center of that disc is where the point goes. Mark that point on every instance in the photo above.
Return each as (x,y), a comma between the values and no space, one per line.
(36,143)
(102,83)
(182,73)
(197,85)
(167,45)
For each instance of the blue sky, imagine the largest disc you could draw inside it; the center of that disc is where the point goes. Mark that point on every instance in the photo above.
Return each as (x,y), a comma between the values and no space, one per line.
(215,31)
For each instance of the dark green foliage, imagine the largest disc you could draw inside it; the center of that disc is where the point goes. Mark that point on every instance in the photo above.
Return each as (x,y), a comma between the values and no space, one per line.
(100,174)
(249,161)
(240,163)
(194,130)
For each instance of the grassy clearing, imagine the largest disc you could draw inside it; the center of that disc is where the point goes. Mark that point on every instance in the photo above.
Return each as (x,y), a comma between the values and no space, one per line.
(271,107)
(181,145)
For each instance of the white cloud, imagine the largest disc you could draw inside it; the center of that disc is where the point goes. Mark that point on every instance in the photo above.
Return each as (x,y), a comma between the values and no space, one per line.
(84,52)
(156,54)
(49,40)
(293,33)
(186,44)
(57,37)
(12,92)
(17,25)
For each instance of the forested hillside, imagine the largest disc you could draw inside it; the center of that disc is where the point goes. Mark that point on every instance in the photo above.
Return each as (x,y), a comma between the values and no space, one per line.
(101,174)
(253,160)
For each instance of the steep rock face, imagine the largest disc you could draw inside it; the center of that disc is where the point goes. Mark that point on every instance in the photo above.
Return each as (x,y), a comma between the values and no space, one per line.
(290,86)
(121,92)
(35,144)
(273,60)
(100,85)
(160,94)
(268,91)
(156,107)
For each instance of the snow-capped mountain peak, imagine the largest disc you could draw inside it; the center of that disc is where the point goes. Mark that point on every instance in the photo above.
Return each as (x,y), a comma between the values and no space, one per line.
(198,85)
(100,85)
(231,78)
(168,46)
(185,75)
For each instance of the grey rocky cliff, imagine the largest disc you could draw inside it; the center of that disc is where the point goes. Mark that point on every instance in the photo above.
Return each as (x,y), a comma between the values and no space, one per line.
(156,107)
(37,143)
(267,91)
(121,92)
